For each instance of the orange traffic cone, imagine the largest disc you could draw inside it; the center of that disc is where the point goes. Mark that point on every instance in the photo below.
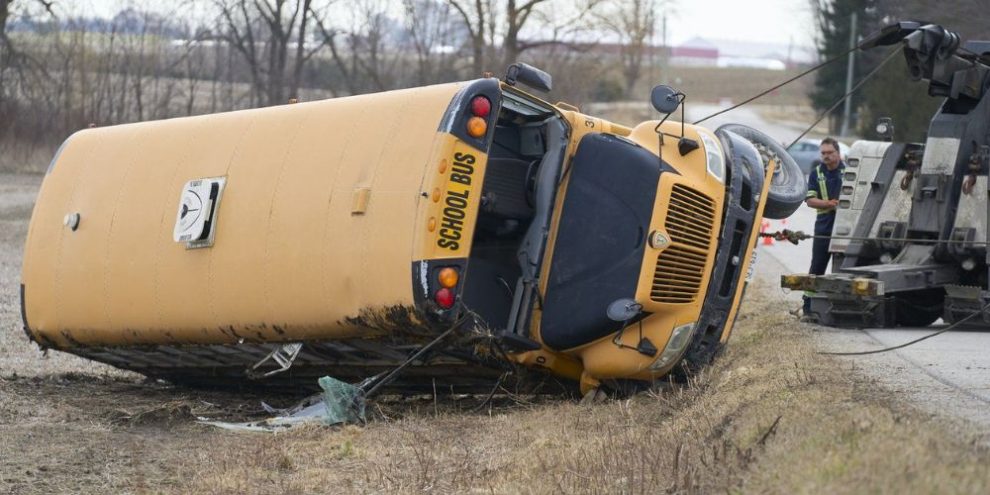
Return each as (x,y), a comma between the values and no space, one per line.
(767,240)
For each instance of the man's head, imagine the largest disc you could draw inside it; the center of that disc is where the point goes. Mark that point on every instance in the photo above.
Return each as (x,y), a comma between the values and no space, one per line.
(830,153)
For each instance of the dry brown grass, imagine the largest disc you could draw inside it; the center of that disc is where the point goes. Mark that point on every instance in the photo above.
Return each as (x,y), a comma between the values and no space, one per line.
(712,84)
(20,157)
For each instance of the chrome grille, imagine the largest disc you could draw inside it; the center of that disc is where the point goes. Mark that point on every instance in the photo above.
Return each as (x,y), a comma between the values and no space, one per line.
(681,267)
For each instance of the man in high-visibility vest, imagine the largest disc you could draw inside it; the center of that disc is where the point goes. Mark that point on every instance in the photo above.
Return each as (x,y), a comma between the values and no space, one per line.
(824,184)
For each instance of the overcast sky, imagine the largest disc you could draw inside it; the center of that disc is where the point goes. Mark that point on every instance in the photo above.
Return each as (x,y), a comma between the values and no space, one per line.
(776,21)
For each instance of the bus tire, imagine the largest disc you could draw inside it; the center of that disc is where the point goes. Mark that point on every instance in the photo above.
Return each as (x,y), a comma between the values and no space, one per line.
(788,186)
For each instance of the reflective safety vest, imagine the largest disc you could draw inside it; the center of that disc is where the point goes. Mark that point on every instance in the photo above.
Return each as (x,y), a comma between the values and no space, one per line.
(822,191)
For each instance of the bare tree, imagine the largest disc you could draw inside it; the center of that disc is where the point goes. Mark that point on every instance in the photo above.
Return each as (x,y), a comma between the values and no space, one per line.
(10,56)
(516,15)
(479,20)
(497,28)
(370,43)
(331,38)
(633,23)
(430,29)
(6,7)
(271,36)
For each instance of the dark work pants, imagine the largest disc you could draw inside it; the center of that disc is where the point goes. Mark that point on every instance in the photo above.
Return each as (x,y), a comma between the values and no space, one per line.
(819,256)
(819,261)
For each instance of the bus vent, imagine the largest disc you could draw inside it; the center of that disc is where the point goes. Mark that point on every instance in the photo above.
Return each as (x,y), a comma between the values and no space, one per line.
(680,267)
(690,216)
(678,275)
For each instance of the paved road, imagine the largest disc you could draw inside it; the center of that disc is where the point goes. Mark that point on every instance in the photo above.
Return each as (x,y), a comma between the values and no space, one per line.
(785,132)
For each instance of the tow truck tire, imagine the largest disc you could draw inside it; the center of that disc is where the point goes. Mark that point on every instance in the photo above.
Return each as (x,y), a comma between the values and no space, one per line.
(919,308)
(788,185)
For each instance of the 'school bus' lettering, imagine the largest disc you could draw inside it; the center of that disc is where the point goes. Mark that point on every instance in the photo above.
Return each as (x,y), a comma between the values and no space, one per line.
(456,201)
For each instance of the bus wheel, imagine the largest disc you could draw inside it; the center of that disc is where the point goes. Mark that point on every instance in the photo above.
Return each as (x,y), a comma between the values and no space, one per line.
(788,186)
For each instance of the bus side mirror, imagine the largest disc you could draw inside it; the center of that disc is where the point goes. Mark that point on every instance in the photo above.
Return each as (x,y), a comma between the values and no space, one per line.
(528,75)
(623,310)
(665,99)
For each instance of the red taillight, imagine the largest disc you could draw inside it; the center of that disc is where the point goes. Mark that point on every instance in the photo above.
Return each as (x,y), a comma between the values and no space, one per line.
(444,298)
(480,106)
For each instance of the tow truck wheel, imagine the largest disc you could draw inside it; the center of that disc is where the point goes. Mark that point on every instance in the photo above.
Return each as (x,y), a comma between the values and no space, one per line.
(919,308)
(788,185)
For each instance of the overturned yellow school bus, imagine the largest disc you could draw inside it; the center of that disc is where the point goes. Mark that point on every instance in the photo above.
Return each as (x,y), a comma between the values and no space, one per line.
(339,237)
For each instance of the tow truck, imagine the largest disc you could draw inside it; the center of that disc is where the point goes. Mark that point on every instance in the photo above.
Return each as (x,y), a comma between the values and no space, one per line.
(910,238)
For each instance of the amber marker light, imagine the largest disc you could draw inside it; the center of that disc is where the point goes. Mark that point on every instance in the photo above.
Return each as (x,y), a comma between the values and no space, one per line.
(476,127)
(448,277)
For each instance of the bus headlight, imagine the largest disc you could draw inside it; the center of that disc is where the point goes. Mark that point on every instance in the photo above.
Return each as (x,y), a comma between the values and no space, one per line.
(679,340)
(713,157)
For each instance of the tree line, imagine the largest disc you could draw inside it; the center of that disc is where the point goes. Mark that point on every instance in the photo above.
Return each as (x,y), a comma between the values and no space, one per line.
(61,71)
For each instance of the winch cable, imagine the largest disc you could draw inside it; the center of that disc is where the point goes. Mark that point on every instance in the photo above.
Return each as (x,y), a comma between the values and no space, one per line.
(838,102)
(785,83)
(795,236)
(915,341)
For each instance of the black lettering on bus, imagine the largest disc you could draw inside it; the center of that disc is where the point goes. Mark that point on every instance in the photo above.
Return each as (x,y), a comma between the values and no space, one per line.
(454,213)
(467,158)
(444,243)
(460,178)
(452,234)
(463,168)
(455,202)
(451,223)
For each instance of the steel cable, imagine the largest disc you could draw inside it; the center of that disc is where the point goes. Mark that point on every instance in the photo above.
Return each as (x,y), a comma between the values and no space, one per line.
(915,341)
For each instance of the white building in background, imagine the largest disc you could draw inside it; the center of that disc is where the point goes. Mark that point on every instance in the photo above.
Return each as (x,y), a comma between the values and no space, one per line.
(695,52)
(700,52)
(751,62)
